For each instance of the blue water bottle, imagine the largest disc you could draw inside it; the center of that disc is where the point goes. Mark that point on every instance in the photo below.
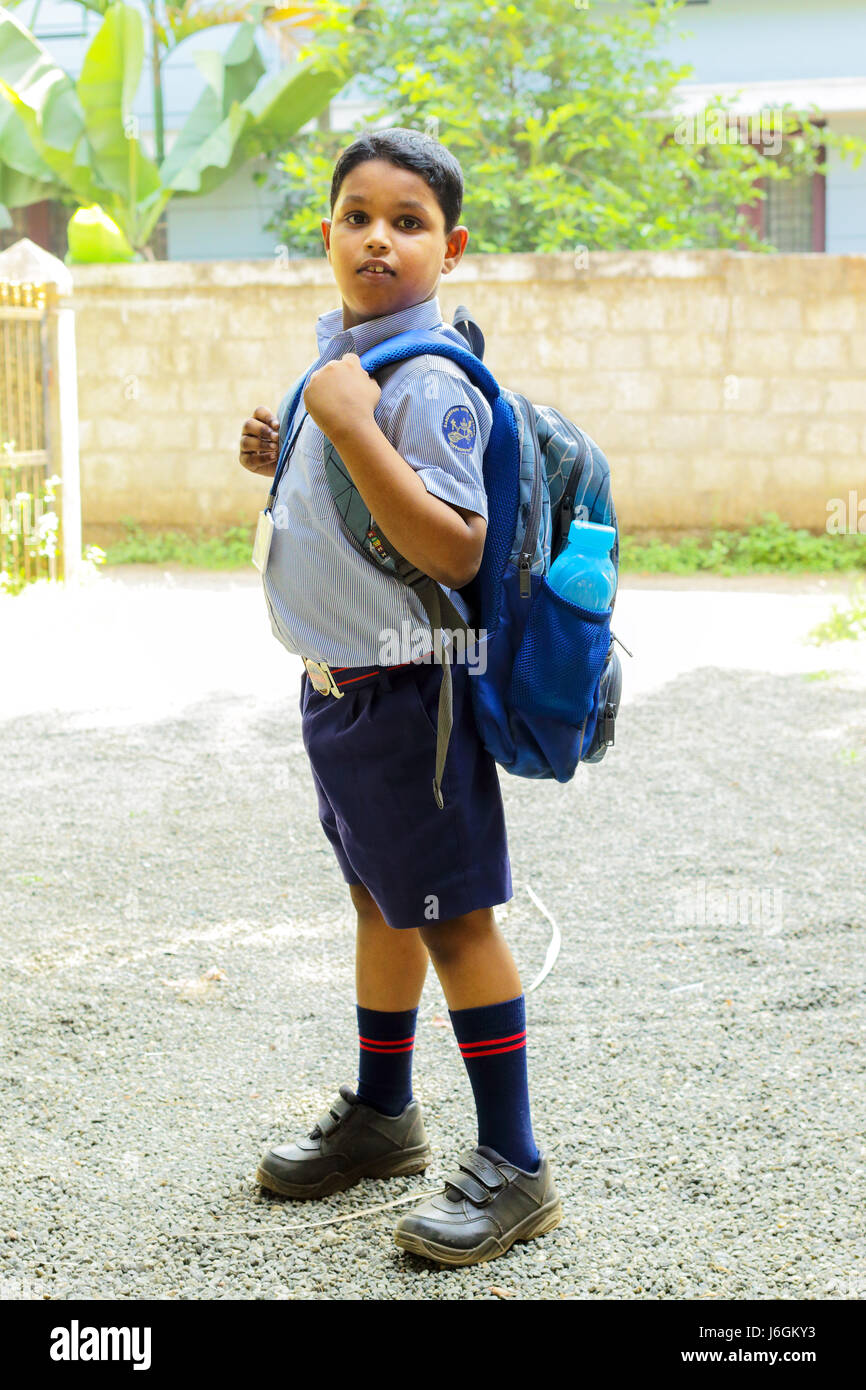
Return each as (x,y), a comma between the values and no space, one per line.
(583,571)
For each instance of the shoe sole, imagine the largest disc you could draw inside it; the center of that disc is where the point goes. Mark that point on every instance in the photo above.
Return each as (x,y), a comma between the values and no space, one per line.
(536,1224)
(391,1166)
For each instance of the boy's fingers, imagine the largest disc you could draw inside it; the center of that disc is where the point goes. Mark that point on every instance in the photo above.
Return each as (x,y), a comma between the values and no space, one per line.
(260,430)
(256,443)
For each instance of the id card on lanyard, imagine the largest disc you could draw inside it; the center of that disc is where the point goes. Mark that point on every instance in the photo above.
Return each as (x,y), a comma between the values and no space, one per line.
(265,524)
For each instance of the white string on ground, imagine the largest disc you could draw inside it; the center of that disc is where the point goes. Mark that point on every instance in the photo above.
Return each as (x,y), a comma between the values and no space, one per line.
(338,1220)
(553,947)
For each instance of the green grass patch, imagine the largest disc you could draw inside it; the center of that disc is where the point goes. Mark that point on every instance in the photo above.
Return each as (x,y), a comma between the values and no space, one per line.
(229,551)
(770,546)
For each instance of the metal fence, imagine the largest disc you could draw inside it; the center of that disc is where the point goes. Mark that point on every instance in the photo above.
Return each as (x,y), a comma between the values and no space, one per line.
(29,518)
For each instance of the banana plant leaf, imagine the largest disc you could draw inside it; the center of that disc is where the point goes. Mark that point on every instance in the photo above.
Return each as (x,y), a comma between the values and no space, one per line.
(22,171)
(223,131)
(107,86)
(19,190)
(64,164)
(209,134)
(28,68)
(61,138)
(43,126)
(81,135)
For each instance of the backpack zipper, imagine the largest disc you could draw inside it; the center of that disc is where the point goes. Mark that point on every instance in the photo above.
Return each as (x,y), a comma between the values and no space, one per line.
(566,501)
(530,537)
(577,433)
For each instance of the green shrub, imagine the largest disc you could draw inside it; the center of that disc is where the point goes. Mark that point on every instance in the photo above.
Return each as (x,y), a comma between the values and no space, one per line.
(770,546)
(231,550)
(845,624)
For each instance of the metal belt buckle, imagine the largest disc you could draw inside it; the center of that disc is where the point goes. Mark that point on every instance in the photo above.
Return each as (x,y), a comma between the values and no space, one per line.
(320,675)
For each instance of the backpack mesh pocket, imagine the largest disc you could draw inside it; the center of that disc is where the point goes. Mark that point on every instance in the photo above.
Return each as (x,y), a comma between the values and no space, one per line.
(560,658)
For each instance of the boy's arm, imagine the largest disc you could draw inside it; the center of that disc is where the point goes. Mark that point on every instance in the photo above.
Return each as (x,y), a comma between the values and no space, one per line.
(439,538)
(420,473)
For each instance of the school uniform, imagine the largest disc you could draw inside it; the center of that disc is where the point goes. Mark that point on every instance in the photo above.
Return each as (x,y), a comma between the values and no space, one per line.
(371,751)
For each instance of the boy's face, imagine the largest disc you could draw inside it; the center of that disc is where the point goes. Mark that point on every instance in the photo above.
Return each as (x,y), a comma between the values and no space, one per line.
(369,223)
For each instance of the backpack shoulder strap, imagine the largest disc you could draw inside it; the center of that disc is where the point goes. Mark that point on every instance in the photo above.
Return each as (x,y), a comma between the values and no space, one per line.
(436,603)
(466,324)
(414,344)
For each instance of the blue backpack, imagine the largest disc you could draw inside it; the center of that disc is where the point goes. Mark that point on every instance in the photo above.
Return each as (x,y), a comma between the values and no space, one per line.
(545,678)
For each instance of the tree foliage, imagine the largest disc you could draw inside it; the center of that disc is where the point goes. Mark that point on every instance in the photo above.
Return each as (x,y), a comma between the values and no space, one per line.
(563,117)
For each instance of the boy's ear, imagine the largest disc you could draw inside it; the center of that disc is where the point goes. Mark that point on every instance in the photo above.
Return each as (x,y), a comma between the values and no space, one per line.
(326,232)
(455,246)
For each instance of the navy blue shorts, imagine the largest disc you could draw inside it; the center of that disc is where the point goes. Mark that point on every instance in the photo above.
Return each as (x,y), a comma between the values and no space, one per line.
(372,755)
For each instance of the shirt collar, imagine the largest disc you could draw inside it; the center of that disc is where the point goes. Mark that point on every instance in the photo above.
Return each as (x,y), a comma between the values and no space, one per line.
(334,340)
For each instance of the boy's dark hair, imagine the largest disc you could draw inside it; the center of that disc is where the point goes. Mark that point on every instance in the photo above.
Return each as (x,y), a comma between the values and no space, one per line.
(408,149)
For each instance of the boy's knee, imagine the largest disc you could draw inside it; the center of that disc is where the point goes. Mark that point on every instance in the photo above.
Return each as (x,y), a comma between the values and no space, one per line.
(365,904)
(445,940)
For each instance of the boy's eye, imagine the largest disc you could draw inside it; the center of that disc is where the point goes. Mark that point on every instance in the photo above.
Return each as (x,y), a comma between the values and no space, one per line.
(405,218)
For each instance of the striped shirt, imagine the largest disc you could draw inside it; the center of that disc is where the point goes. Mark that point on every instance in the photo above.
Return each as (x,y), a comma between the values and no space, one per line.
(326,600)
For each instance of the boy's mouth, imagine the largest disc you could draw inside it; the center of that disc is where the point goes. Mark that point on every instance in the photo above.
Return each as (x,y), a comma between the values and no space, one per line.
(378,270)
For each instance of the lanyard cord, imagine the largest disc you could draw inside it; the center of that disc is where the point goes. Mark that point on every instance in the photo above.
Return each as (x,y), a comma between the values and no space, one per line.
(281,466)
(289,444)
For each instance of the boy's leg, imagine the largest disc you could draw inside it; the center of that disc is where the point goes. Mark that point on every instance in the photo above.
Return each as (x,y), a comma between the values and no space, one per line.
(502,1191)
(352,1140)
(390,967)
(487,1007)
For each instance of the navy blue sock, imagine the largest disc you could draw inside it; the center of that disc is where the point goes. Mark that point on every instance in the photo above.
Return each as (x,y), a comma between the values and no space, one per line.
(492,1043)
(386,1042)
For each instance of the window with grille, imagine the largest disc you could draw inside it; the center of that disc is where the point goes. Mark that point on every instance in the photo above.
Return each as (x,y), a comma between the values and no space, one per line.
(788,213)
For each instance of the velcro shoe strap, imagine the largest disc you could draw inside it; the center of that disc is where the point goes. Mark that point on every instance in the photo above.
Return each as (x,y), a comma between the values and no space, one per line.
(481,1168)
(328,1122)
(465,1183)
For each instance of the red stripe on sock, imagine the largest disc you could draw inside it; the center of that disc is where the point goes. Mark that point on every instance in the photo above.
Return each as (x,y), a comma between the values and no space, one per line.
(386,1051)
(388,1042)
(489,1042)
(492,1051)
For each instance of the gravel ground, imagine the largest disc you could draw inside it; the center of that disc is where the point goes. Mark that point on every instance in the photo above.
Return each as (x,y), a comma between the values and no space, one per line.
(178,975)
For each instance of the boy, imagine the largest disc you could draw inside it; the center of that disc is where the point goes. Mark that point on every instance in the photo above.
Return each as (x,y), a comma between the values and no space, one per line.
(423,879)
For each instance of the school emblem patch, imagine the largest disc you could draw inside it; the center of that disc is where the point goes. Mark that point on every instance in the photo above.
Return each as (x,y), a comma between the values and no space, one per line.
(458,428)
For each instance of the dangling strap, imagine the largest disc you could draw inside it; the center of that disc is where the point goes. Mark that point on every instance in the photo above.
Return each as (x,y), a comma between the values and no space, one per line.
(432,601)
(435,602)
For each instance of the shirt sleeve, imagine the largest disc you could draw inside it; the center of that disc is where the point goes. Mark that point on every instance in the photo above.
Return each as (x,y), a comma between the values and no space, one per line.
(440,424)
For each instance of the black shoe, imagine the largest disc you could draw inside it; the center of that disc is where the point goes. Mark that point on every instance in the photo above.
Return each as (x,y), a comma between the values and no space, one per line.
(487,1205)
(350,1142)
